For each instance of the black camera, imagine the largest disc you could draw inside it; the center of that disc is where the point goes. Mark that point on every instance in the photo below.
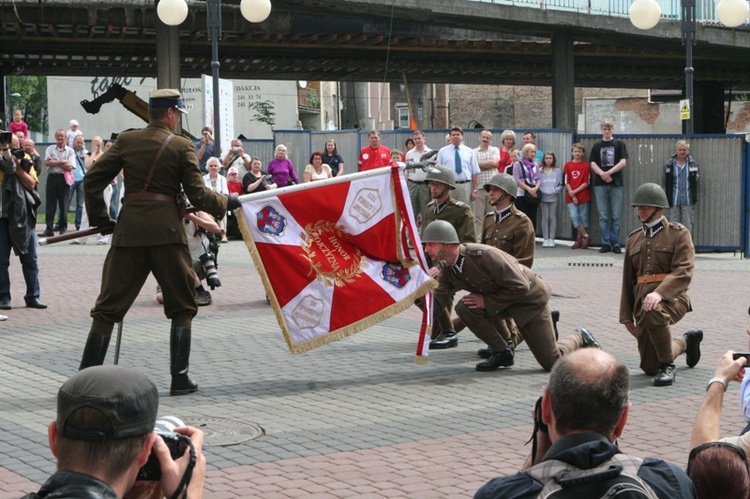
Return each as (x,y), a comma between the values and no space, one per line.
(176,442)
(5,137)
(208,260)
(18,152)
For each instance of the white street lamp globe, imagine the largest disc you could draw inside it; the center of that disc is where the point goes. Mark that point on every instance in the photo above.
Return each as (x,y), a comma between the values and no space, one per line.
(172,12)
(732,13)
(255,11)
(644,14)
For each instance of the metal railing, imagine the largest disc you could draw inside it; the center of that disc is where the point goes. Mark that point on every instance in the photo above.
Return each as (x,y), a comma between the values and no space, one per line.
(670,9)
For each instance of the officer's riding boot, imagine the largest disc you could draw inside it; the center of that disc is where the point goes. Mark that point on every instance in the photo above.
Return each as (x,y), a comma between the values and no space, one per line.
(179,353)
(95,350)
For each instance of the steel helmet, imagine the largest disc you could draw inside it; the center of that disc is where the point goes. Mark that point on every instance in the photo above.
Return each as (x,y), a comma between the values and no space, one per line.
(440,231)
(505,182)
(442,174)
(650,194)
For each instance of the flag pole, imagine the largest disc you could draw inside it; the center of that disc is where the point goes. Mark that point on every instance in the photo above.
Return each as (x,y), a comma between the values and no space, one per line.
(386,170)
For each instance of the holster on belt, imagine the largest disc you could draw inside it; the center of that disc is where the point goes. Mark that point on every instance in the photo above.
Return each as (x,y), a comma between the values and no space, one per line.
(648,278)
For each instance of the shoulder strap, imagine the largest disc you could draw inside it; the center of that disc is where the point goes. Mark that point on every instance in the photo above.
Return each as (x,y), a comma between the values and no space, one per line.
(156,161)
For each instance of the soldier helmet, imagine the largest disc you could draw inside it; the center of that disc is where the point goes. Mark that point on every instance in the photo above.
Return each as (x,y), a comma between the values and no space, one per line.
(650,195)
(440,231)
(442,174)
(503,181)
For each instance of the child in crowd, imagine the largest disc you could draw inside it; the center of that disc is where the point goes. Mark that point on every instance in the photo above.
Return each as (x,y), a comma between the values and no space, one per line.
(578,194)
(515,157)
(73,132)
(18,125)
(234,184)
(551,180)
(397,158)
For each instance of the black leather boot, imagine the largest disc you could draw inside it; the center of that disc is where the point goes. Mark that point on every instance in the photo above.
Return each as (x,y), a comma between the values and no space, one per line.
(179,356)
(95,350)
(665,376)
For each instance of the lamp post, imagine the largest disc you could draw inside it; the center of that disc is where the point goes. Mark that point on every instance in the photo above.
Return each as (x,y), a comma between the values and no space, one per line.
(174,13)
(645,14)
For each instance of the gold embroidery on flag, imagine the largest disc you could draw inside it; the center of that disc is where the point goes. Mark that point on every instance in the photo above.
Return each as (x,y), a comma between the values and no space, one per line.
(332,257)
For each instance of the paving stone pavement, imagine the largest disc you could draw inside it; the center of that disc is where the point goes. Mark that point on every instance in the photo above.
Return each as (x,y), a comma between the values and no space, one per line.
(357,418)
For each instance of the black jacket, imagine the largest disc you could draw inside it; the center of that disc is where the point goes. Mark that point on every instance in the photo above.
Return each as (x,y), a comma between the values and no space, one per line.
(71,485)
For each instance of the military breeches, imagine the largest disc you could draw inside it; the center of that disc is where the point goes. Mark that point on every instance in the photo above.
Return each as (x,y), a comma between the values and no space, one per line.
(655,342)
(482,325)
(125,271)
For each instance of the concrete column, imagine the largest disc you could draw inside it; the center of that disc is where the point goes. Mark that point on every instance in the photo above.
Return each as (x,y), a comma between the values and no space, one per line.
(708,103)
(563,82)
(167,58)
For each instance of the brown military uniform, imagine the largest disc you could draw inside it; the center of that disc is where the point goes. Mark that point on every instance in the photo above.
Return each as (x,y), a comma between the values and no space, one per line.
(510,290)
(456,213)
(667,255)
(460,216)
(149,236)
(514,234)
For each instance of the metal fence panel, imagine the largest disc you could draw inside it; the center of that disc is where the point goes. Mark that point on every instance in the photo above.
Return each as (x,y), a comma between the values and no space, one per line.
(262,148)
(718,214)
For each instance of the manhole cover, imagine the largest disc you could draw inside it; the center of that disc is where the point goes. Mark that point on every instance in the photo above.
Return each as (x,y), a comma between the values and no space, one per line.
(223,432)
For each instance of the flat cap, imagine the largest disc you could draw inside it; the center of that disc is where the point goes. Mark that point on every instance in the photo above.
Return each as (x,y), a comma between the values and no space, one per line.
(127,399)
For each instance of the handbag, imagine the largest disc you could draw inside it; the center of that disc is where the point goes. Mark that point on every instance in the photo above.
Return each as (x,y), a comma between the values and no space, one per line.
(68,176)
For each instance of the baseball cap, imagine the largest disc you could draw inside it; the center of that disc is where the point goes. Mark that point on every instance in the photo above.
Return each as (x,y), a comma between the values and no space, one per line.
(166,98)
(232,170)
(72,123)
(128,400)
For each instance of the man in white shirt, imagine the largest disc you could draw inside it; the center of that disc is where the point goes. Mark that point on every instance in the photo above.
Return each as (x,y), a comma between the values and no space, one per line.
(59,157)
(418,189)
(488,158)
(465,169)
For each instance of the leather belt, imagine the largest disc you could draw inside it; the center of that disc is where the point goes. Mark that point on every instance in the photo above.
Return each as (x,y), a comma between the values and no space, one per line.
(147,196)
(462,181)
(648,278)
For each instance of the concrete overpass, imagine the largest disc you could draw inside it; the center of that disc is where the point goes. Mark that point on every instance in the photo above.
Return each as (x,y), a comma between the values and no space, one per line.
(438,41)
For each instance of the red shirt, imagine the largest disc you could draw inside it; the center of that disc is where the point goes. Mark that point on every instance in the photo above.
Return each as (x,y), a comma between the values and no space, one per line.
(235,187)
(576,174)
(370,158)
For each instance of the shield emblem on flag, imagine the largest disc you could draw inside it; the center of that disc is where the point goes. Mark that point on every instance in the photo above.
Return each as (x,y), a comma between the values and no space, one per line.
(271,221)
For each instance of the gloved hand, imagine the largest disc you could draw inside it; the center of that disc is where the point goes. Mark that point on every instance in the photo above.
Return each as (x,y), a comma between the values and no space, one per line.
(107,227)
(233,202)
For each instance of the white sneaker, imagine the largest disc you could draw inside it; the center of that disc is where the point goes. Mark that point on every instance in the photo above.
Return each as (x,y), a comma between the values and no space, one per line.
(551,243)
(3,318)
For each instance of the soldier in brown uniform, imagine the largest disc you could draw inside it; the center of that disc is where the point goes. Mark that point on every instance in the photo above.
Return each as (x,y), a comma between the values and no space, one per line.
(499,287)
(656,273)
(441,181)
(508,228)
(149,236)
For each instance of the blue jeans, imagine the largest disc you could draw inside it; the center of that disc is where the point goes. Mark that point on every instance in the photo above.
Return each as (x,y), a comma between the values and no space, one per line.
(609,204)
(579,214)
(76,190)
(28,264)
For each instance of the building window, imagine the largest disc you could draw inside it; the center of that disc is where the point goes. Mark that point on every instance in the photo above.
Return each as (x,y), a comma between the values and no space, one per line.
(403,117)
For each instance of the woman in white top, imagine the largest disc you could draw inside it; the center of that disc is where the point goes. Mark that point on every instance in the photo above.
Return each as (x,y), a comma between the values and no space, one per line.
(317,170)
(218,184)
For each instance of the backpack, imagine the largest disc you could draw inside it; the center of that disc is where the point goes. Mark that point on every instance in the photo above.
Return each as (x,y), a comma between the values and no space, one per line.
(615,478)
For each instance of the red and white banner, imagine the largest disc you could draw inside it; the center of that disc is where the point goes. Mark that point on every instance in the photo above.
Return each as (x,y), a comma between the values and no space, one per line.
(334,255)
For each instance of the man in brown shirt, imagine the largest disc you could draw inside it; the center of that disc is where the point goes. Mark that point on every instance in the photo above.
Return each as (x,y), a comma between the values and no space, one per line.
(658,268)
(149,236)
(499,288)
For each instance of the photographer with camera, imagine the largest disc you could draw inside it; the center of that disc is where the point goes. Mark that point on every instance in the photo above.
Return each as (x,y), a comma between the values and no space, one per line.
(206,149)
(103,435)
(18,203)
(237,158)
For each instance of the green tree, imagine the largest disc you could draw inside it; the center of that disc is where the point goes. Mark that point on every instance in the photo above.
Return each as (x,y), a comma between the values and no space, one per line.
(33,100)
(264,112)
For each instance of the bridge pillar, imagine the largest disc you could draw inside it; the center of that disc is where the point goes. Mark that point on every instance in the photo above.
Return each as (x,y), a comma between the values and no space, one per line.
(563,84)
(167,58)
(708,103)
